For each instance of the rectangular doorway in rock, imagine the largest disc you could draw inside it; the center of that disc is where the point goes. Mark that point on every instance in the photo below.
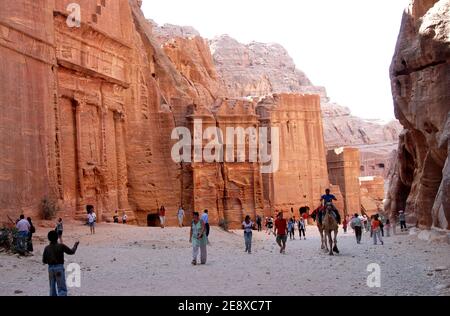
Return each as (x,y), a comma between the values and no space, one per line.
(153,220)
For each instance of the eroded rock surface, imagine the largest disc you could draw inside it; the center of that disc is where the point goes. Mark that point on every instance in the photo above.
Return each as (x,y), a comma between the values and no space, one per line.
(89,111)
(420,75)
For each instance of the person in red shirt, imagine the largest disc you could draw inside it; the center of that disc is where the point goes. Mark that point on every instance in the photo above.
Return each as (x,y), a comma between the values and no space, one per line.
(305,217)
(281,232)
(376,230)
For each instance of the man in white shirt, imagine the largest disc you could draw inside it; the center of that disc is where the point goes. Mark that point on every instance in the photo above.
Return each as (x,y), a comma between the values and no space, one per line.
(91,221)
(180,216)
(23,226)
(205,219)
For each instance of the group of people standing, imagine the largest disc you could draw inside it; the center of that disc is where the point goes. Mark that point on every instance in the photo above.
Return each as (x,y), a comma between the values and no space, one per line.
(26,229)
(124,218)
(53,255)
(294,225)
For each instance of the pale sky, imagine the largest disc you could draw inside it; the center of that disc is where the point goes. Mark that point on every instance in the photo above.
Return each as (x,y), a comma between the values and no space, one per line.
(346,46)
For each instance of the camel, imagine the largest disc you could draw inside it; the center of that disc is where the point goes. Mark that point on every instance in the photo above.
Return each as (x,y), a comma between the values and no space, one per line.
(315,215)
(330,224)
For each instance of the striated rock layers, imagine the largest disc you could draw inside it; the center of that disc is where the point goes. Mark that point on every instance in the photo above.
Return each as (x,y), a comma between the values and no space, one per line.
(88,115)
(420,75)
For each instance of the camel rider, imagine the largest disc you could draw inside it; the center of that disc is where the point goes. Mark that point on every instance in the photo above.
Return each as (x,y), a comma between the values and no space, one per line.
(327,200)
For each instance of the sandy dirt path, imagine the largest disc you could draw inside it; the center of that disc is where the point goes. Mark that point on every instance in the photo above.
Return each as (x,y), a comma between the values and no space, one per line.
(126,260)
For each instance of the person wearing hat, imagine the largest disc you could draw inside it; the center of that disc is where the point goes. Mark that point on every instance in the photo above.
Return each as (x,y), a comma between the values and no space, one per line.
(402,219)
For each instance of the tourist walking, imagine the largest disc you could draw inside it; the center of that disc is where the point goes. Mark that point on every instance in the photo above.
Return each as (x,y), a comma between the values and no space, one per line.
(180,216)
(281,232)
(23,228)
(387,228)
(60,229)
(302,228)
(381,224)
(366,223)
(54,257)
(259,223)
(205,219)
(198,239)
(291,229)
(305,217)
(402,219)
(30,235)
(248,226)
(91,221)
(124,218)
(376,231)
(356,224)
(345,224)
(116,217)
(269,225)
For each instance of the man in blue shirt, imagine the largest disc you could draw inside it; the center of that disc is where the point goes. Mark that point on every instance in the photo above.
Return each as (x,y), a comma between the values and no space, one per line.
(205,219)
(328,197)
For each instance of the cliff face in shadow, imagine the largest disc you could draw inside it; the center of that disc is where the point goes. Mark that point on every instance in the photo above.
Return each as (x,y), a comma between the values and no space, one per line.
(420,75)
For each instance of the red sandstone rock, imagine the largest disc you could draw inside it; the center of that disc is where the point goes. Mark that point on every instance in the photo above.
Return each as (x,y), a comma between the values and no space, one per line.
(420,75)
(89,112)
(344,171)
(302,176)
(259,69)
(372,194)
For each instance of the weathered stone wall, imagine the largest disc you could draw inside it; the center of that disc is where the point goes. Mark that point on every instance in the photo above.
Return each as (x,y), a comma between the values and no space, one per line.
(420,75)
(88,115)
(344,171)
(372,194)
(27,93)
(302,176)
(258,69)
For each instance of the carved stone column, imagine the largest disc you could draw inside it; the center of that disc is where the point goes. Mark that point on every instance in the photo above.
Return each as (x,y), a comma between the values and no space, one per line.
(80,104)
(122,173)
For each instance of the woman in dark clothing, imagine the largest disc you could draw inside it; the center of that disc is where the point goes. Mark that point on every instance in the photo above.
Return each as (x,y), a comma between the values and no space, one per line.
(30,235)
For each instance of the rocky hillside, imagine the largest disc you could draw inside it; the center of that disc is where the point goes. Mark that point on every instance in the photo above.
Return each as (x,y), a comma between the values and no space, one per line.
(258,69)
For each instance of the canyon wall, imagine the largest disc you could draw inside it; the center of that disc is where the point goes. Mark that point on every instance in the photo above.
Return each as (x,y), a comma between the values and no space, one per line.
(372,194)
(27,93)
(302,175)
(344,171)
(88,115)
(420,75)
(258,69)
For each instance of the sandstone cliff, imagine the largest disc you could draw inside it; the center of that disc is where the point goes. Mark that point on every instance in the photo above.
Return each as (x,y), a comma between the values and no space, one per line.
(258,69)
(420,75)
(89,113)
